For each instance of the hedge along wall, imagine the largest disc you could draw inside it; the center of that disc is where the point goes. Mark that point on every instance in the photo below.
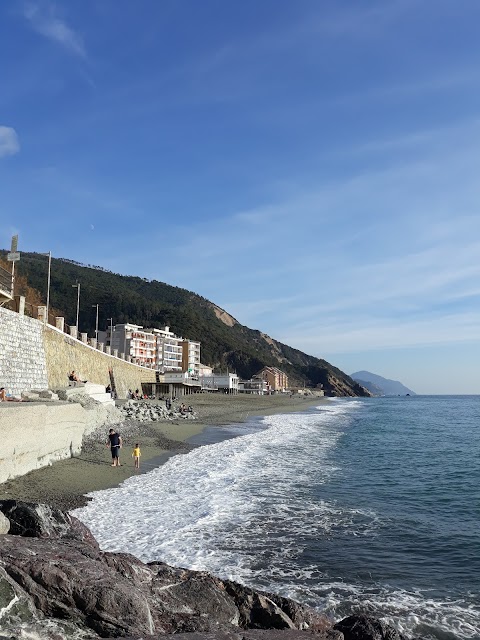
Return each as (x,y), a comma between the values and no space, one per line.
(65,354)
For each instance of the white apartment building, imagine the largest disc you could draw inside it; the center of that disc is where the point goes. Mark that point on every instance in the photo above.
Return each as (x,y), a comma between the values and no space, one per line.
(135,342)
(169,350)
(158,349)
(191,357)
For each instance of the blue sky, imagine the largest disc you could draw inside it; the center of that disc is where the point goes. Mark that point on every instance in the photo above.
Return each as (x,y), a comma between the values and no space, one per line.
(311,166)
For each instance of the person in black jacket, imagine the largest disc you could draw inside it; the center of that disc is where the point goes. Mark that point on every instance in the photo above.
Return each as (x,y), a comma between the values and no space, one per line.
(114,441)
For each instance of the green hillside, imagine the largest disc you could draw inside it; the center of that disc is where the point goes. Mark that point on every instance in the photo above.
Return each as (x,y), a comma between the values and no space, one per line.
(225,342)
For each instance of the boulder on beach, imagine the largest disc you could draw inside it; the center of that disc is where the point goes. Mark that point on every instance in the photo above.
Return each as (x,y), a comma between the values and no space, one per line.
(55,582)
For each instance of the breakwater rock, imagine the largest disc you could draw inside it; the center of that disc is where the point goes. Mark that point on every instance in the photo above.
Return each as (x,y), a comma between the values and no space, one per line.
(56,583)
(143,411)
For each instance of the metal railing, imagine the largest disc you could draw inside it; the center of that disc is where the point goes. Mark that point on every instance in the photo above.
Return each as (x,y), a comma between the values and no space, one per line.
(5,281)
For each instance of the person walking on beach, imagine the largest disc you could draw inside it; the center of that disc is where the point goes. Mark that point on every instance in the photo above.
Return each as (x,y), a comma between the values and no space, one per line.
(136,453)
(114,441)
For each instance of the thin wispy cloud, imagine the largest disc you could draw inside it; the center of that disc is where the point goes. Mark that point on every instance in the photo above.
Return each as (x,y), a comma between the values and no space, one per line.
(386,333)
(44,19)
(375,276)
(9,144)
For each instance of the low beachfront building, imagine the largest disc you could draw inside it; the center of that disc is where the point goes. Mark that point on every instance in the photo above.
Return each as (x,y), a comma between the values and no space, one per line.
(254,386)
(174,384)
(223,382)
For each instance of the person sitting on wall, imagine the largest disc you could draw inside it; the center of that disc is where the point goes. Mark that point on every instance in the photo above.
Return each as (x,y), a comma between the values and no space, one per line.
(74,378)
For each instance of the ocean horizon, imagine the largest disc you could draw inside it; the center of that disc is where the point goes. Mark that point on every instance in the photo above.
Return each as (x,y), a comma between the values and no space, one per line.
(357,505)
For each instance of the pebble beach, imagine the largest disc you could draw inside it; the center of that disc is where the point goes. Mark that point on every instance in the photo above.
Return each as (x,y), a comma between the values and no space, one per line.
(64,484)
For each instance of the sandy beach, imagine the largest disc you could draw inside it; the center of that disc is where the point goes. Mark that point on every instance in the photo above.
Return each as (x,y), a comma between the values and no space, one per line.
(65,483)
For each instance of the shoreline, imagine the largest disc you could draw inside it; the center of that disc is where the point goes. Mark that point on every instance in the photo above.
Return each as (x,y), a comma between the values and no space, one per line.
(63,485)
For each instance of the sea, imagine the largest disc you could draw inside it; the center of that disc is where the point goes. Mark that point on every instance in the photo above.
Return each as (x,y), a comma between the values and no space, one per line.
(358,505)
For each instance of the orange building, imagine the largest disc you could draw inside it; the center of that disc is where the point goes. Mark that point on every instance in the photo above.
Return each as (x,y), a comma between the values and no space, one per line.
(277,380)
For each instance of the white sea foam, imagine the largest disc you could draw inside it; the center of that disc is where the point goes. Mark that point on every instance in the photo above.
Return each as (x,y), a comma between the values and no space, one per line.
(204,509)
(245,509)
(415,614)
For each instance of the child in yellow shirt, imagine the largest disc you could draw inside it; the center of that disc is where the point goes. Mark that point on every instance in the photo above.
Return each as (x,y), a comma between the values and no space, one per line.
(136,453)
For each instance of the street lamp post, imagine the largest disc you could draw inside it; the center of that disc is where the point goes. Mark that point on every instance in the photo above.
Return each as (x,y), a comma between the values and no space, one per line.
(96,322)
(49,254)
(111,334)
(78,301)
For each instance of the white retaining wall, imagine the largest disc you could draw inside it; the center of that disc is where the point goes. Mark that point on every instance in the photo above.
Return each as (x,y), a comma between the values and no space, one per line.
(35,435)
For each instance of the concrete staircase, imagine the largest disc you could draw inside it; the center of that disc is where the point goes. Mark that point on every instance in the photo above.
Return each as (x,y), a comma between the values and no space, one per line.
(95,391)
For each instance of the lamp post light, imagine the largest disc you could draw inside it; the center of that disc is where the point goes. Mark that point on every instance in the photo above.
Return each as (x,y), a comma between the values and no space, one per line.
(49,254)
(77,284)
(111,333)
(96,322)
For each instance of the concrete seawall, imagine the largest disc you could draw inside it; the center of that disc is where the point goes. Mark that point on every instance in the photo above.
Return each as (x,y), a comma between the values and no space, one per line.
(35,435)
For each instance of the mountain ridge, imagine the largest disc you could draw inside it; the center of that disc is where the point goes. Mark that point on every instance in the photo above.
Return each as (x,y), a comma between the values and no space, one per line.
(378,385)
(226,343)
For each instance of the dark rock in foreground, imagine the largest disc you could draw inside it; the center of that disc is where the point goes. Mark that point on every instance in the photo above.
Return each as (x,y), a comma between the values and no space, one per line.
(56,582)
(364,627)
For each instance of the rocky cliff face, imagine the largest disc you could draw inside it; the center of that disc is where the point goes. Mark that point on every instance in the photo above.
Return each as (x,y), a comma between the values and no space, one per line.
(56,583)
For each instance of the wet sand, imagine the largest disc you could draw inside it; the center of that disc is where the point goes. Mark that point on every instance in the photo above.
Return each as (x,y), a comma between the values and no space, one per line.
(65,483)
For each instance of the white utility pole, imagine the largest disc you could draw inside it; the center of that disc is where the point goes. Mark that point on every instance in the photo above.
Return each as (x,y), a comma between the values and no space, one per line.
(96,322)
(78,301)
(49,254)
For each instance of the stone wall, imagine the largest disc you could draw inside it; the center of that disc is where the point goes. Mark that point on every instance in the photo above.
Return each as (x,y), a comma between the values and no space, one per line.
(65,354)
(37,356)
(34,435)
(22,356)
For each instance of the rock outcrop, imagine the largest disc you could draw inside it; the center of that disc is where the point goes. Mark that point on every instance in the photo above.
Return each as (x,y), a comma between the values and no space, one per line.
(55,582)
